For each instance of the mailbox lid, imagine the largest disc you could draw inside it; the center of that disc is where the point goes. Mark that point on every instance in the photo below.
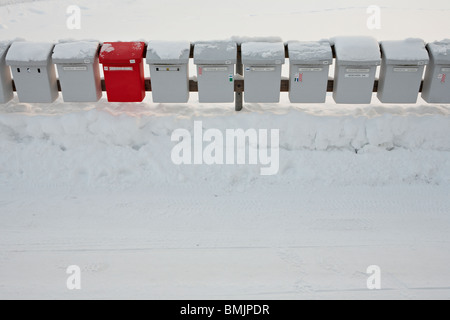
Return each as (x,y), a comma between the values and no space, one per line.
(29,54)
(76,52)
(263,53)
(310,52)
(122,52)
(168,52)
(405,52)
(440,51)
(219,52)
(357,51)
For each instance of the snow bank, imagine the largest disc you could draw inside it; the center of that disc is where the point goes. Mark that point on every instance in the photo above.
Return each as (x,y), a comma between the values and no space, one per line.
(130,145)
(404,51)
(29,53)
(75,51)
(158,51)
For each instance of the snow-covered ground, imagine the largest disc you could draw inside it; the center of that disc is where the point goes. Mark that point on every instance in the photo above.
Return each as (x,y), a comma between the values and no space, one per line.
(93,185)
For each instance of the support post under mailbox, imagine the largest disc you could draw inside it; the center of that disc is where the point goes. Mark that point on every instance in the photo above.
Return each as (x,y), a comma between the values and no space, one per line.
(239,70)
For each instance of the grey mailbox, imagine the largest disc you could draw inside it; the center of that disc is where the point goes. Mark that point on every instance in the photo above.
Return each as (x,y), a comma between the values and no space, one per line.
(309,64)
(169,70)
(262,71)
(33,71)
(403,63)
(215,70)
(357,59)
(6,88)
(436,86)
(78,70)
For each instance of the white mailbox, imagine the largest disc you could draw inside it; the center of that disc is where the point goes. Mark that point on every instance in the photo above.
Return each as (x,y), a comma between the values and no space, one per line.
(78,70)
(6,88)
(436,86)
(215,70)
(33,72)
(262,71)
(403,63)
(169,70)
(357,59)
(308,71)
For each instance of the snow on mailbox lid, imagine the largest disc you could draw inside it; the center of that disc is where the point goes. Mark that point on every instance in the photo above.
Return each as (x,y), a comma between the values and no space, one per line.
(75,52)
(409,51)
(440,51)
(219,52)
(354,50)
(263,53)
(168,52)
(122,52)
(29,54)
(306,52)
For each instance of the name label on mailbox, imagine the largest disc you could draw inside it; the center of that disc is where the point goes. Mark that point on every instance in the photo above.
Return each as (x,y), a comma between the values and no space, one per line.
(168,69)
(74,68)
(445,69)
(357,75)
(263,69)
(215,69)
(406,69)
(310,69)
(358,70)
(120,69)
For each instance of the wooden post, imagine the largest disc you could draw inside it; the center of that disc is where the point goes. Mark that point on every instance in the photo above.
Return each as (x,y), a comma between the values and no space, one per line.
(238,86)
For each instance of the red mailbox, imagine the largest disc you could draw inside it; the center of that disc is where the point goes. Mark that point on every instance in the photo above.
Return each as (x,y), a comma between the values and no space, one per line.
(124,71)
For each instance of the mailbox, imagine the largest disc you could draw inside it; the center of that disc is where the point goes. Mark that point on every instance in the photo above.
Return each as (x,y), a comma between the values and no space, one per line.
(357,59)
(262,70)
(78,70)
(308,72)
(123,68)
(436,86)
(215,70)
(403,63)
(33,71)
(169,70)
